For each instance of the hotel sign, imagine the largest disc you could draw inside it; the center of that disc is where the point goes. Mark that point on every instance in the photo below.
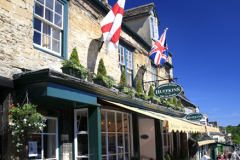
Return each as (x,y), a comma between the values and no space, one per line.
(168,90)
(194,116)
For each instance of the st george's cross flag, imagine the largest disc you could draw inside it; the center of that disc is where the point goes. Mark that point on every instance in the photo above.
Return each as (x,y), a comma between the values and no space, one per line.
(111,25)
(159,52)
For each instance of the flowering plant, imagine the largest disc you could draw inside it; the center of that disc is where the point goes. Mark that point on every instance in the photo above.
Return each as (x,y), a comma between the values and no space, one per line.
(24,121)
(108,81)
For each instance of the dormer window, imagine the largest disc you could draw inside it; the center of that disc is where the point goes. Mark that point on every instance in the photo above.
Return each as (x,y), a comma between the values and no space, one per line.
(153,27)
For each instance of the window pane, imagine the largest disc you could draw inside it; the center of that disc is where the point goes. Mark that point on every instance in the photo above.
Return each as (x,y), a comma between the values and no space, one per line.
(103,119)
(58,20)
(56,33)
(36,138)
(111,121)
(38,9)
(130,143)
(37,38)
(125,123)
(120,143)
(111,144)
(119,122)
(126,156)
(41,1)
(51,126)
(104,157)
(49,4)
(129,121)
(46,42)
(58,8)
(46,29)
(56,46)
(82,144)
(112,157)
(121,157)
(37,24)
(48,15)
(82,121)
(49,146)
(104,147)
(126,143)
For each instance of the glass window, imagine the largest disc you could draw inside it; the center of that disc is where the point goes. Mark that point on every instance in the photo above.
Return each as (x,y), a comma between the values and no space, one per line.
(81,133)
(45,141)
(167,142)
(48,25)
(153,72)
(154,27)
(123,52)
(116,144)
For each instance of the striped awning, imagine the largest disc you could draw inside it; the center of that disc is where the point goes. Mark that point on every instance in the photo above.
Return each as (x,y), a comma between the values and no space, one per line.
(173,123)
(202,143)
(212,129)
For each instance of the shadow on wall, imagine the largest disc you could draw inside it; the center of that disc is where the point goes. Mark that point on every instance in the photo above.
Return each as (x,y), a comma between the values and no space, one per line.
(92,56)
(138,75)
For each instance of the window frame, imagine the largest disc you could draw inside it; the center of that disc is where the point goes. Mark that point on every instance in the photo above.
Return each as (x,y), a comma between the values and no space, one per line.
(81,132)
(116,133)
(153,24)
(128,69)
(63,32)
(42,141)
(168,140)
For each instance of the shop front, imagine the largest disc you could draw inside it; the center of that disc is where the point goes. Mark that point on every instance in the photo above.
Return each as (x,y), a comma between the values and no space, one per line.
(86,121)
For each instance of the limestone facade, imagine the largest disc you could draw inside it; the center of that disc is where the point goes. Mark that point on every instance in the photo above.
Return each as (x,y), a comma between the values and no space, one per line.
(17,52)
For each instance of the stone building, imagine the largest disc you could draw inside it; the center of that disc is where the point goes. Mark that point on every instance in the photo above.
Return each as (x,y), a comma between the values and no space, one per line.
(85,120)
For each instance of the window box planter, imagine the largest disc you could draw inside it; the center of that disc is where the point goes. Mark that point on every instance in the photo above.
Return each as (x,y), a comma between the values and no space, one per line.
(154,100)
(74,72)
(70,71)
(103,83)
(124,89)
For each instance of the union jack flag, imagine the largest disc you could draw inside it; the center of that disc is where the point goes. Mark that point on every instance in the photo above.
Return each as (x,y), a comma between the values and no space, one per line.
(159,54)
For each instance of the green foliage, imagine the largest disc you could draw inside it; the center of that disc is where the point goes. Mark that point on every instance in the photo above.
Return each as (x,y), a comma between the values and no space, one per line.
(107,80)
(131,92)
(74,56)
(168,157)
(123,78)
(151,92)
(139,86)
(101,68)
(143,96)
(179,102)
(235,131)
(175,101)
(24,121)
(170,100)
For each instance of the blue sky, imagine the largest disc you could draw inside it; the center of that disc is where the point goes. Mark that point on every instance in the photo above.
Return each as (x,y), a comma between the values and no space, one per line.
(204,37)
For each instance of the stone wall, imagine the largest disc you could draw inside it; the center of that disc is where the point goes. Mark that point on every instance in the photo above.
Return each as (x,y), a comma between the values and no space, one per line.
(17,53)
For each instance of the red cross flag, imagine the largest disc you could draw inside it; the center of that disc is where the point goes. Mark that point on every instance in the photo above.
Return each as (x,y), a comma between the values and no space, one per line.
(111,25)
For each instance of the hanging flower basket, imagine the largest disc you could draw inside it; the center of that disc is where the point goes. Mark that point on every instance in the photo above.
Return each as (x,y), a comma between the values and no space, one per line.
(24,121)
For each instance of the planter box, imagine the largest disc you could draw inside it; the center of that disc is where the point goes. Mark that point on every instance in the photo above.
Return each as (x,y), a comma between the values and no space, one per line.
(100,82)
(154,100)
(73,72)
(124,89)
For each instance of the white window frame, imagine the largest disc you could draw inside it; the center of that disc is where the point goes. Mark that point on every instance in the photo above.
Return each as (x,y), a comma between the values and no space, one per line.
(129,133)
(129,55)
(42,134)
(153,23)
(81,132)
(169,141)
(52,25)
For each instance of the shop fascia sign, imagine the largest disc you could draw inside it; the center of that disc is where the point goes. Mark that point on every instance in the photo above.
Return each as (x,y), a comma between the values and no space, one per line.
(168,90)
(194,116)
